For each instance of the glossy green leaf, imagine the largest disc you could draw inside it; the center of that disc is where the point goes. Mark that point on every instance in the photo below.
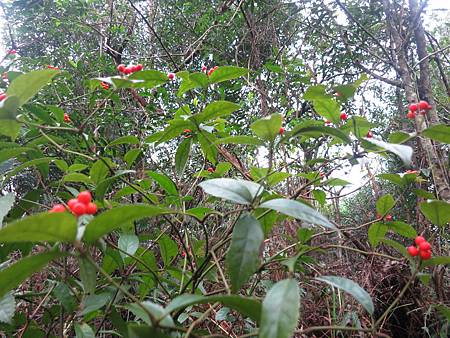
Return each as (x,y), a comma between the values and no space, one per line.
(83,331)
(403,229)
(438,260)
(15,274)
(376,232)
(168,249)
(396,245)
(249,307)
(99,171)
(280,310)
(7,153)
(399,137)
(6,203)
(243,256)
(352,288)
(8,108)
(268,128)
(128,243)
(214,110)
(164,181)
(226,73)
(437,212)
(77,177)
(7,308)
(182,156)
(238,191)
(114,218)
(403,152)
(88,275)
(156,310)
(440,133)
(317,131)
(297,210)
(384,204)
(27,164)
(241,139)
(29,84)
(149,78)
(393,178)
(95,302)
(9,128)
(43,227)
(131,156)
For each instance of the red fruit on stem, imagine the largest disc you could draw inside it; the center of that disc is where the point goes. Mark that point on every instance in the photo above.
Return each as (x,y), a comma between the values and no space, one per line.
(425,255)
(71,203)
(91,208)
(388,218)
(413,107)
(410,115)
(134,69)
(419,239)
(79,209)
(204,68)
(121,68)
(423,105)
(66,117)
(211,170)
(58,208)
(369,134)
(413,251)
(212,70)
(344,116)
(84,197)
(52,67)
(139,67)
(2,97)
(127,70)
(424,246)
(171,76)
(12,52)
(321,174)
(281,131)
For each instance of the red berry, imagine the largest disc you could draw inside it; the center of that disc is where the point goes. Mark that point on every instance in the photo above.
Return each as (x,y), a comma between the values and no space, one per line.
(91,208)
(84,197)
(204,68)
(321,174)
(212,70)
(413,107)
(388,218)
(104,85)
(183,254)
(139,67)
(369,134)
(52,67)
(186,131)
(71,203)
(344,116)
(413,251)
(410,115)
(12,52)
(419,239)
(425,255)
(127,70)
(211,170)
(171,76)
(424,246)
(2,97)
(423,105)
(66,117)
(133,69)
(79,209)
(281,131)
(121,68)
(327,122)
(58,208)
(411,172)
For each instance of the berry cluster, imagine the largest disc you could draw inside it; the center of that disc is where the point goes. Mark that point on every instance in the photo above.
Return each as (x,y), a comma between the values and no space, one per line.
(387,218)
(78,206)
(422,247)
(129,69)
(2,97)
(421,107)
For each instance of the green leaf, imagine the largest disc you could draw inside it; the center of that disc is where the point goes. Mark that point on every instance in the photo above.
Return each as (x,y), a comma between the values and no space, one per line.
(320,196)
(128,243)
(27,164)
(182,156)
(336,182)
(243,256)
(403,229)
(238,191)
(94,302)
(8,108)
(199,79)
(64,295)
(6,203)
(77,177)
(98,172)
(352,288)
(280,310)
(268,128)
(397,246)
(376,232)
(149,78)
(297,210)
(131,156)
(437,212)
(43,227)
(115,218)
(316,131)
(168,249)
(444,310)
(438,260)
(403,152)
(225,73)
(14,275)
(214,110)
(27,85)
(127,139)
(384,204)
(156,310)
(6,154)
(440,133)
(144,331)
(9,128)
(248,307)
(165,182)
(399,137)
(88,275)
(393,178)
(240,139)
(83,331)
(7,308)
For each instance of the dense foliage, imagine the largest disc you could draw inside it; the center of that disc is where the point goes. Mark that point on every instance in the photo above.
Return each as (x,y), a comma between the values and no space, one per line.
(175,169)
